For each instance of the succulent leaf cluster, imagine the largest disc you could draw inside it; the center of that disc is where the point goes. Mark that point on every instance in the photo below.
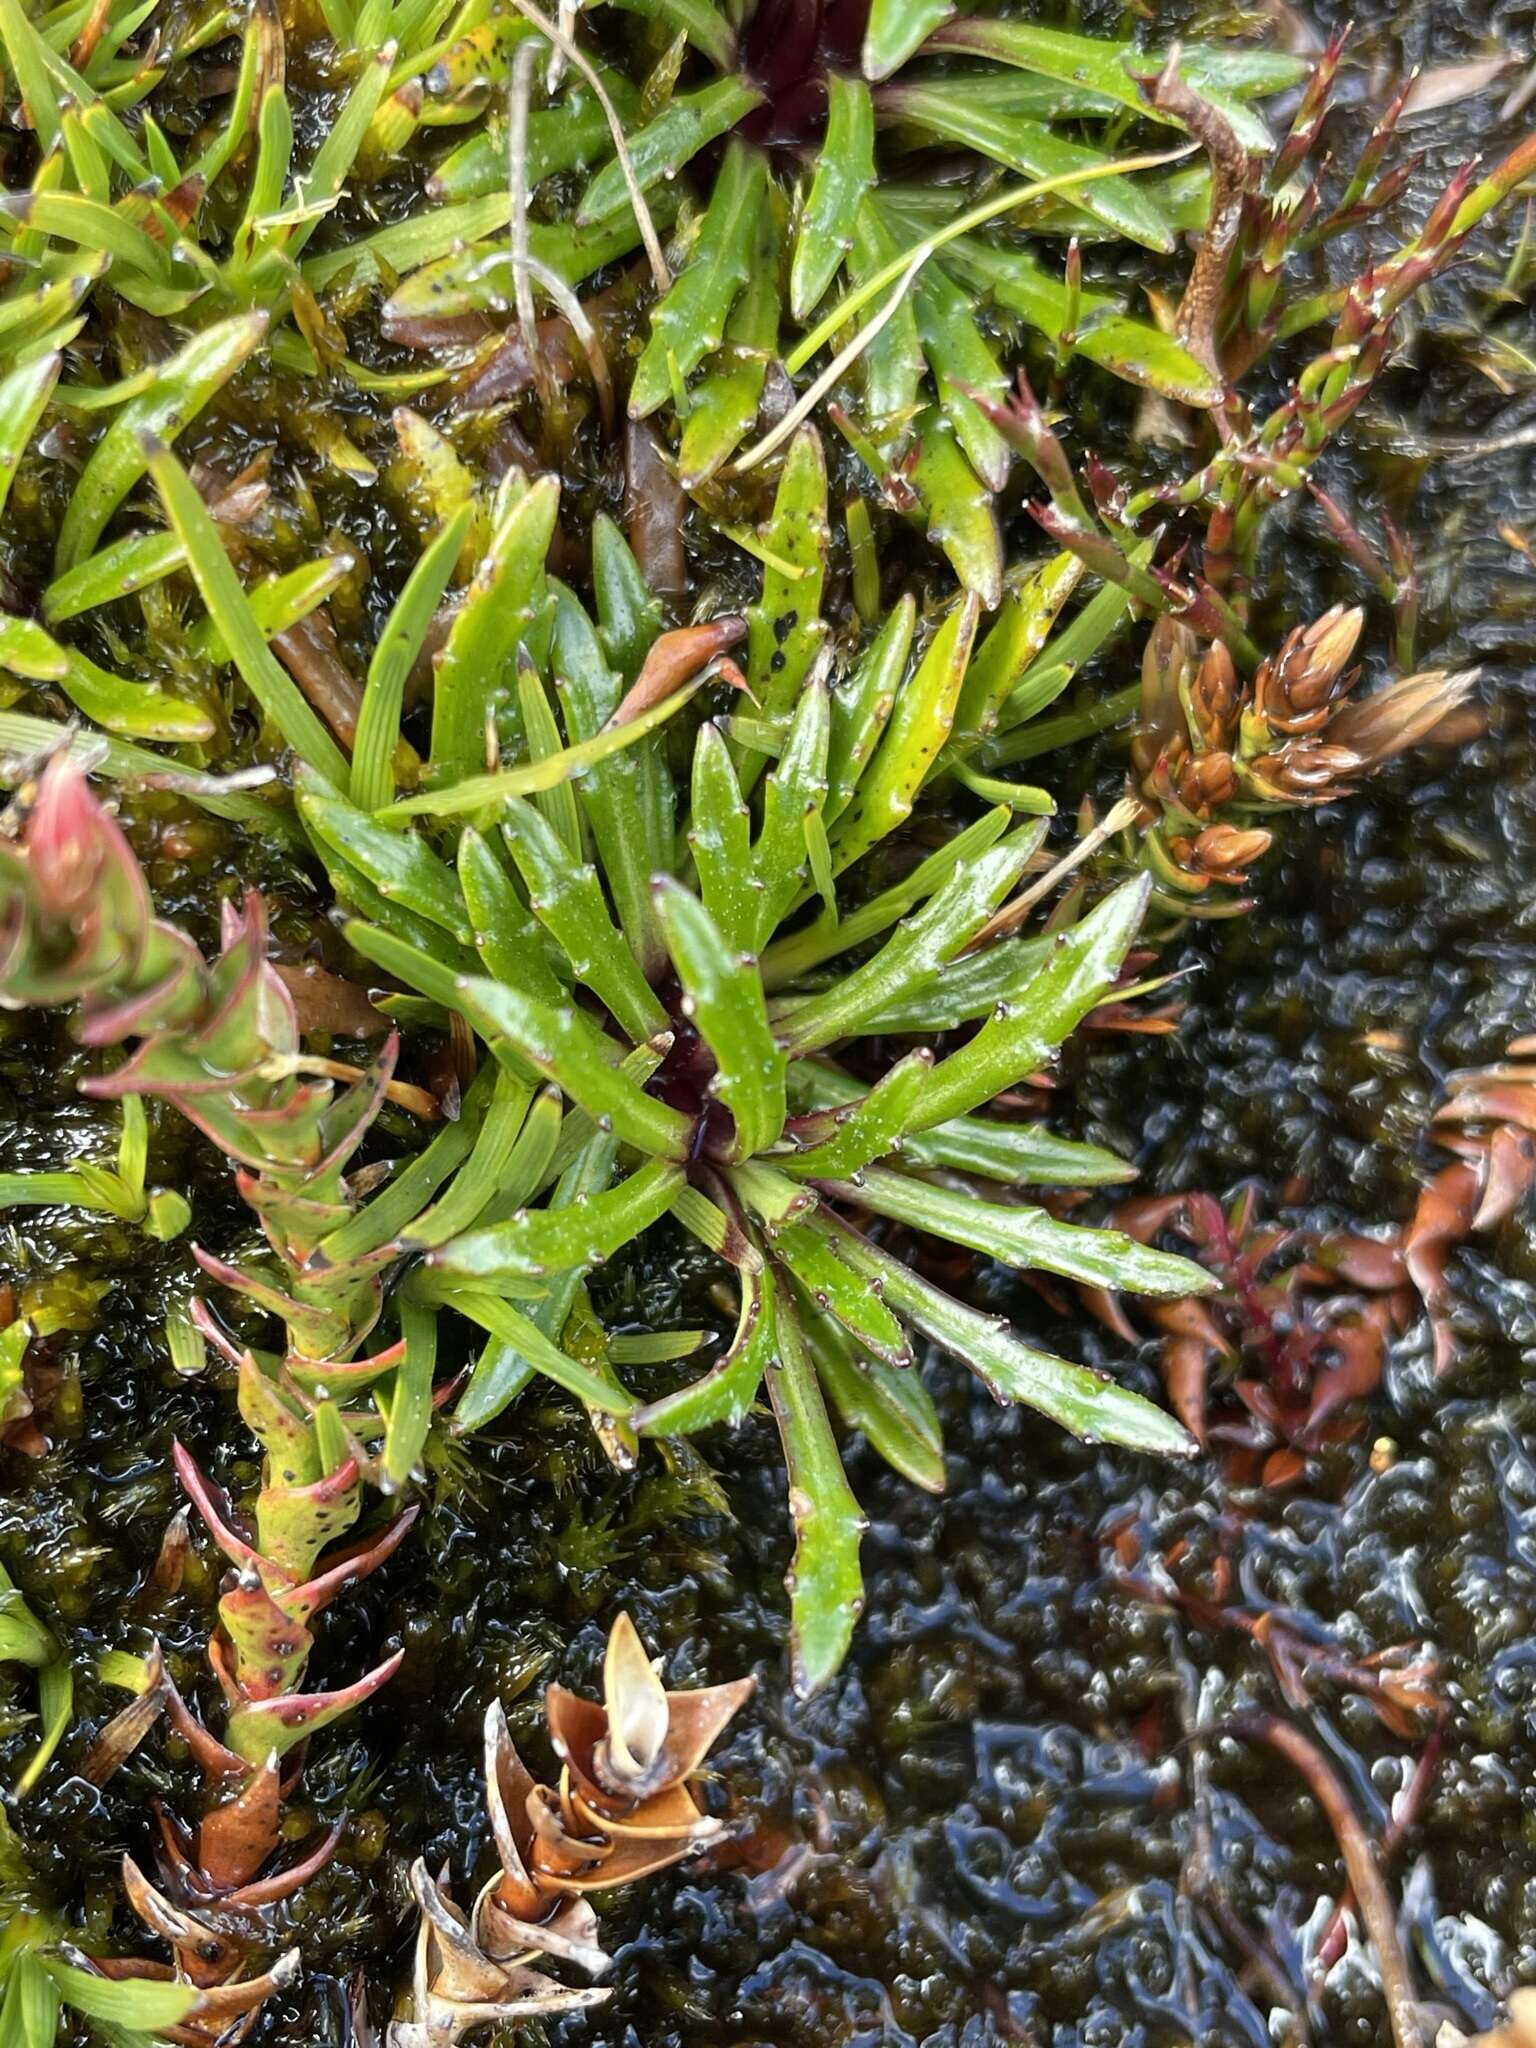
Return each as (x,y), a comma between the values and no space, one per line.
(661,967)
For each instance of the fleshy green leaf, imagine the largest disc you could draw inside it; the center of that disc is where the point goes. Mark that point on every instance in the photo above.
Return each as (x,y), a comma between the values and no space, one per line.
(862,705)
(785,629)
(868,1126)
(826,1587)
(723,402)
(1014,640)
(1090,62)
(626,796)
(407,1408)
(1132,349)
(506,937)
(842,1293)
(540,1241)
(541,730)
(893,365)
(504,1367)
(56,1702)
(497,612)
(720,839)
(796,789)
(888,1404)
(802,950)
(566,897)
(688,124)
(963,362)
(567,1048)
(481,1178)
(971,989)
(726,1392)
(946,108)
(1088,1404)
(399,865)
(23,396)
(228,606)
(1026,1238)
(918,727)
(520,1334)
(183,387)
(896,28)
(705,26)
(690,320)
(958,508)
(565,137)
(405,631)
(1078,976)
(723,999)
(29,2015)
(477,792)
(916,950)
(845,170)
(134,2002)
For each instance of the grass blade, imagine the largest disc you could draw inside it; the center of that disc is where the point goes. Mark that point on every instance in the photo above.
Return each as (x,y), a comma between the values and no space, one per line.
(185,385)
(378,720)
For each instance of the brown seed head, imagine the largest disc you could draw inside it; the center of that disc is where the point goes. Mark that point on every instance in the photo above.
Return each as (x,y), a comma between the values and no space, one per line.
(1213,700)
(1384,725)
(1165,668)
(1295,688)
(1305,771)
(1226,852)
(1203,782)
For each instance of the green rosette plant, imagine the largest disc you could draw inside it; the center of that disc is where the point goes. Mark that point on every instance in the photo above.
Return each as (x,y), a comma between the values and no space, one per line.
(693,984)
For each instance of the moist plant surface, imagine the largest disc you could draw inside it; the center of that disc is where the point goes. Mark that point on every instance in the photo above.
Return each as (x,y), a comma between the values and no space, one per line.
(757,1070)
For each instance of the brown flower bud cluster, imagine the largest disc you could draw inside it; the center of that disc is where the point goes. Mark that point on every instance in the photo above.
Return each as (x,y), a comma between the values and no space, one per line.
(1208,745)
(623,1809)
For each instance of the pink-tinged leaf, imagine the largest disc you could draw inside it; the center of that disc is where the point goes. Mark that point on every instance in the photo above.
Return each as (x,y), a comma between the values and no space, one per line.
(346,1123)
(316,1331)
(77,854)
(355,1564)
(328,1377)
(209,1754)
(273,1727)
(282,1884)
(251,1006)
(212,1503)
(141,1012)
(208,1327)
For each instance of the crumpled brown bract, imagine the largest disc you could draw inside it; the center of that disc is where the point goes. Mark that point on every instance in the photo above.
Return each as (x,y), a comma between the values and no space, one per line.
(456,1986)
(623,1810)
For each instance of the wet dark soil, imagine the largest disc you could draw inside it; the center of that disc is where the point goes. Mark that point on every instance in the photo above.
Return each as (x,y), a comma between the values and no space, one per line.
(993,1827)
